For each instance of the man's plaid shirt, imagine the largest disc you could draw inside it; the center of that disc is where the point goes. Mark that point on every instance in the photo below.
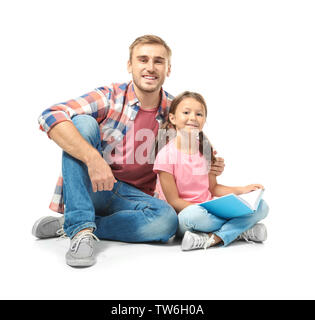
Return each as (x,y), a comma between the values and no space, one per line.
(113,107)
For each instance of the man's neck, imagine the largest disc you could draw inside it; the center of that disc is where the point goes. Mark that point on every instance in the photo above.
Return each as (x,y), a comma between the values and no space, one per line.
(148,100)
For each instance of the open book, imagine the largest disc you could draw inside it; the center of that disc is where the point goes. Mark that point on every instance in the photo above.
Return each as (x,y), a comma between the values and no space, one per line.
(231,206)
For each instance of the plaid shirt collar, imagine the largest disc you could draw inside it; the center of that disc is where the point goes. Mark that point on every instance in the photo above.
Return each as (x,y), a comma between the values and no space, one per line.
(134,101)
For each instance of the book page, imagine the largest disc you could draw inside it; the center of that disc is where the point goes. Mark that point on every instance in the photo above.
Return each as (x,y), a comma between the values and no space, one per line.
(252,197)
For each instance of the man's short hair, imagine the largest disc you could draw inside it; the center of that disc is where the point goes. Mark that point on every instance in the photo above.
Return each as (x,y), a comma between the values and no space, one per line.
(150,39)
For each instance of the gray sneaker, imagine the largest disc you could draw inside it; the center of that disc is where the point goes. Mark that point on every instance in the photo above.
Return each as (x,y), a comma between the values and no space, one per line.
(81,251)
(258,233)
(196,240)
(48,227)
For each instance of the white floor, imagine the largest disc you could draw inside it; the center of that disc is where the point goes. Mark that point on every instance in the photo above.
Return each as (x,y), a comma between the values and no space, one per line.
(254,63)
(281,268)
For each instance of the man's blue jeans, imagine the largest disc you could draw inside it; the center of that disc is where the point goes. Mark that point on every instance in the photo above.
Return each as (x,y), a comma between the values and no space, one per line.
(197,218)
(124,213)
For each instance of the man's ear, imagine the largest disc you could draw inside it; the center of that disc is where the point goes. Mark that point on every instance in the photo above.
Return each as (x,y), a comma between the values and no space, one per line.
(169,70)
(171,117)
(129,67)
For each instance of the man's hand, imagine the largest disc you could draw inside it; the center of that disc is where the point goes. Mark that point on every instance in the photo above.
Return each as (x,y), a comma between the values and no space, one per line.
(100,173)
(67,136)
(218,166)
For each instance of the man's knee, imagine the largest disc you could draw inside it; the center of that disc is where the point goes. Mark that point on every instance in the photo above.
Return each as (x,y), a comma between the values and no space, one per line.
(88,128)
(172,220)
(166,222)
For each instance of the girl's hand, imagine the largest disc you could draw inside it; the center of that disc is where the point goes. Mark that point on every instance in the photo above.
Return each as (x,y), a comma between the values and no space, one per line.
(251,187)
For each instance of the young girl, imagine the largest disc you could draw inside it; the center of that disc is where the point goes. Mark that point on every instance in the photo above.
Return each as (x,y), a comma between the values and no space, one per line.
(184,180)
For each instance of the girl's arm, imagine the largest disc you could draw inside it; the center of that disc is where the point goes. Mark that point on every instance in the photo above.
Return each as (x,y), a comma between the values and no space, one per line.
(219,190)
(170,191)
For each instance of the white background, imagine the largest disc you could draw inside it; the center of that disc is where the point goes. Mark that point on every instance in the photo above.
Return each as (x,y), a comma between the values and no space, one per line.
(254,63)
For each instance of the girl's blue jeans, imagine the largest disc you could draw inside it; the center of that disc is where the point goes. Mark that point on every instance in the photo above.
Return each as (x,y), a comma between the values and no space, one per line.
(197,218)
(124,213)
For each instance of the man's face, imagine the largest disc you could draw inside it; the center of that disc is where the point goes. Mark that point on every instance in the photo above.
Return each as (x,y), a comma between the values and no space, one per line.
(149,67)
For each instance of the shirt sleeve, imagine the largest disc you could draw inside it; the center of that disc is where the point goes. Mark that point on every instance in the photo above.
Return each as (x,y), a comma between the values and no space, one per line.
(95,103)
(162,161)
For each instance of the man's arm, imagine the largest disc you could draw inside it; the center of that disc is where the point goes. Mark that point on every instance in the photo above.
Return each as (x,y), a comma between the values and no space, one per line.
(66,135)
(95,103)
(56,122)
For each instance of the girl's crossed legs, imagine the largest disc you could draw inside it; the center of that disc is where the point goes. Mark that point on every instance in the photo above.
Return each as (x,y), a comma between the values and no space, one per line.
(197,218)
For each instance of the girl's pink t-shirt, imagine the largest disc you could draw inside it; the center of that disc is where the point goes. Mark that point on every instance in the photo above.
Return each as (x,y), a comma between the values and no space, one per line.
(190,172)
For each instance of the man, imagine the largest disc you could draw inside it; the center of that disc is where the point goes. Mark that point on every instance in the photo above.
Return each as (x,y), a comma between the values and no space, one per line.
(106,191)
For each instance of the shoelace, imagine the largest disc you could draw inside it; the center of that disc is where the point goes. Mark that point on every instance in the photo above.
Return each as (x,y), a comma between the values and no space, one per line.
(61,233)
(246,235)
(83,235)
(209,242)
(199,240)
(203,240)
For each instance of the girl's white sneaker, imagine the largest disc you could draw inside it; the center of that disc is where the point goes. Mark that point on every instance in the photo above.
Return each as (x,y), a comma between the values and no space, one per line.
(258,233)
(196,240)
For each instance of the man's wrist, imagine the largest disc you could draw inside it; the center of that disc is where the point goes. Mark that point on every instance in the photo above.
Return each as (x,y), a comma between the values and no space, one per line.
(91,156)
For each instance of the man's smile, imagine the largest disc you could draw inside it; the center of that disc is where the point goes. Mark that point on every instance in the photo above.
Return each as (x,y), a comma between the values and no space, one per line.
(151,78)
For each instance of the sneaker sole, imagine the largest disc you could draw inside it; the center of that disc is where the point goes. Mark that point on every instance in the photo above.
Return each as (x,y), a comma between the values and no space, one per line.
(80,263)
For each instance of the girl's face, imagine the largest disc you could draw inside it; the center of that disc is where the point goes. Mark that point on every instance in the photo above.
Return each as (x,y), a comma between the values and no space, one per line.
(190,115)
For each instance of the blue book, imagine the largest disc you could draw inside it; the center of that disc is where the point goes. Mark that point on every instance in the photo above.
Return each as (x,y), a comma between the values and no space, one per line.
(232,206)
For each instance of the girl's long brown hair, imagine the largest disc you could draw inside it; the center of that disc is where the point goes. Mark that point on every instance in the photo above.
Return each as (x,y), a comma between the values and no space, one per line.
(203,140)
